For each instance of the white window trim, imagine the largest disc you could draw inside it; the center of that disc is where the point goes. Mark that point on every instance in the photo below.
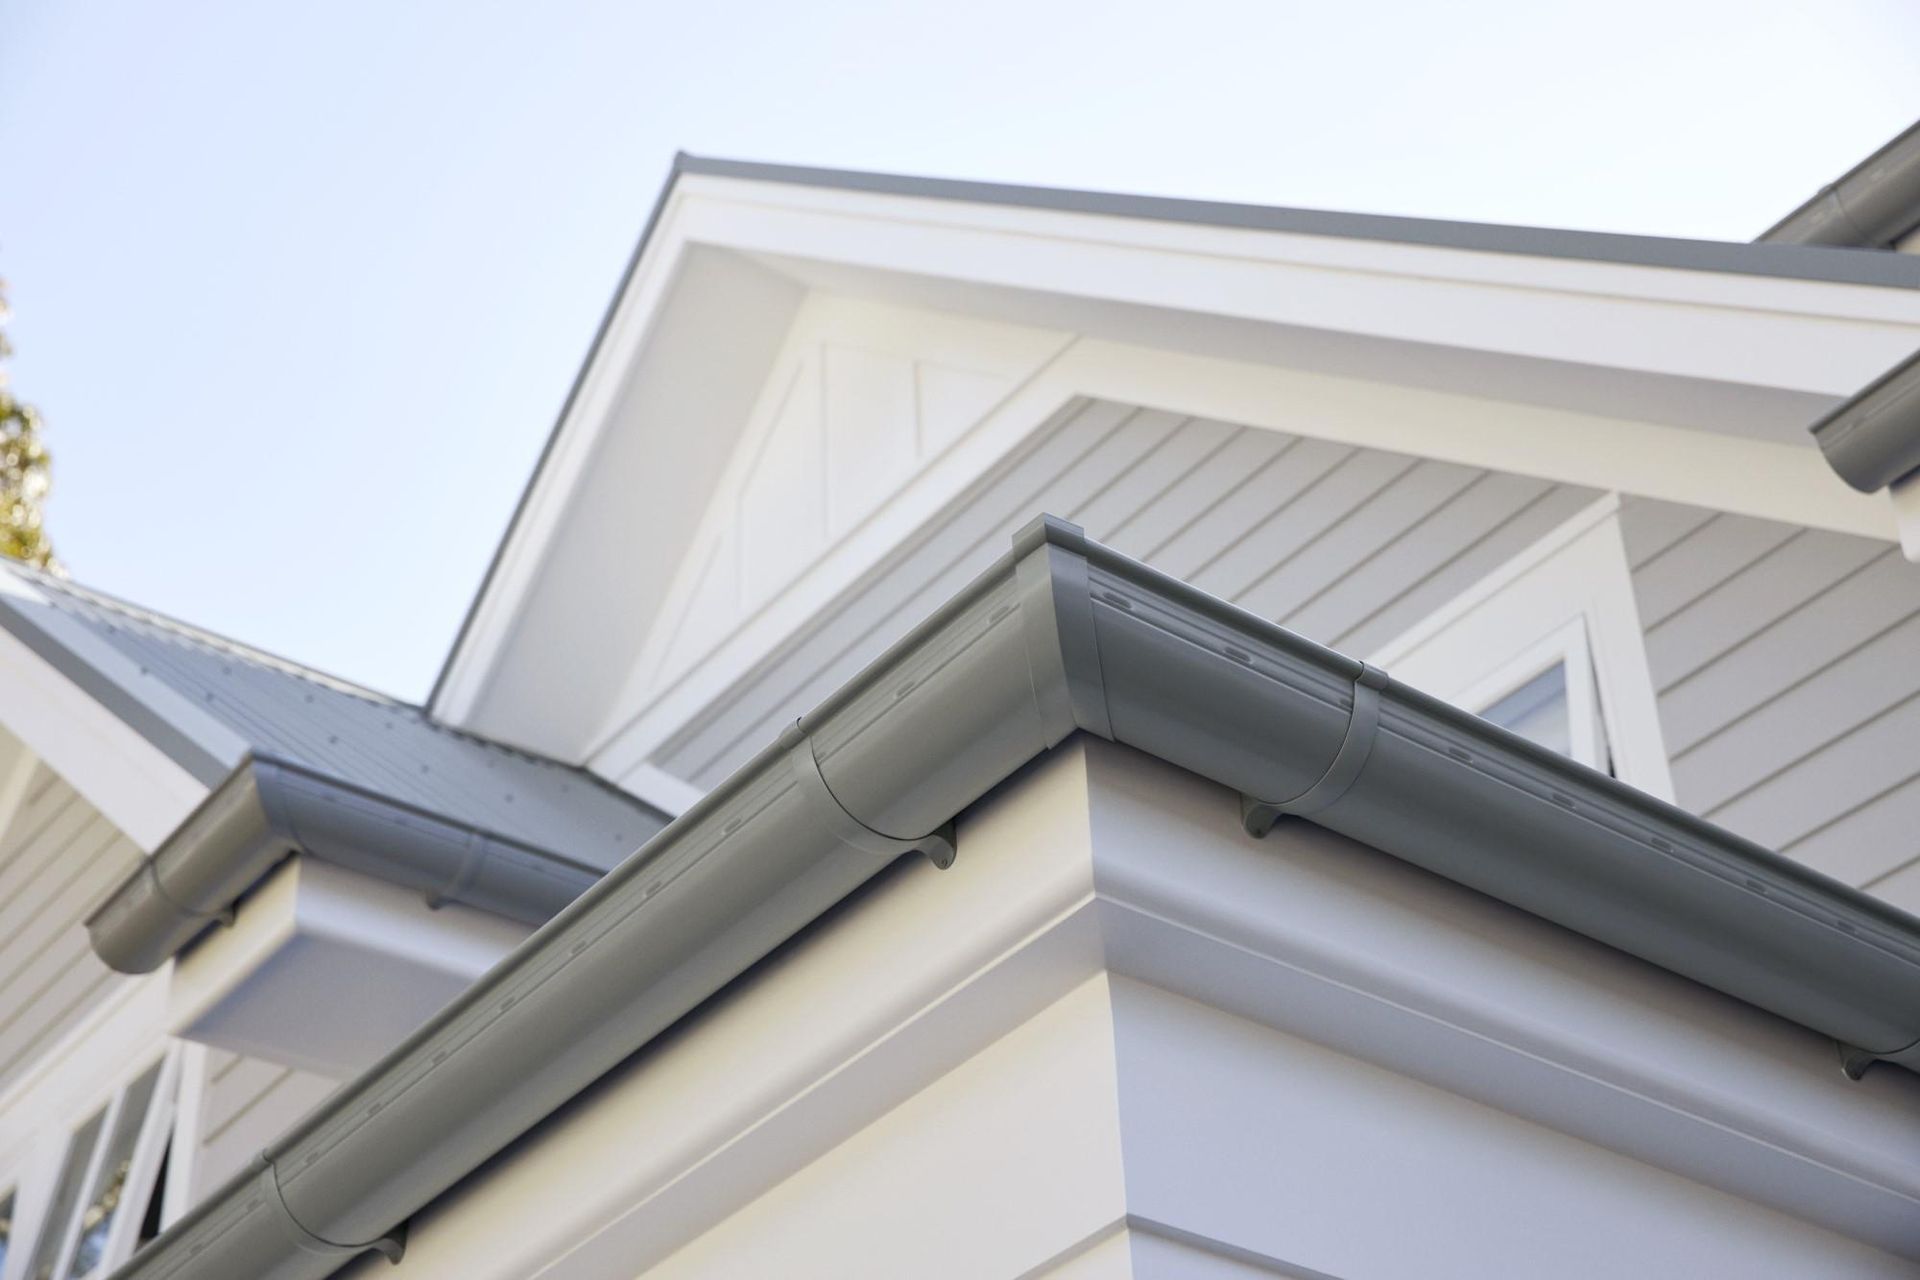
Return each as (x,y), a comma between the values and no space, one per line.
(1570,591)
(33,1179)
(1565,646)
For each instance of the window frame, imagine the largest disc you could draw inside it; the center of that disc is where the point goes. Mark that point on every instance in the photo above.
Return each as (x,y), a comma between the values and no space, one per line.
(1567,647)
(34,1182)
(1570,596)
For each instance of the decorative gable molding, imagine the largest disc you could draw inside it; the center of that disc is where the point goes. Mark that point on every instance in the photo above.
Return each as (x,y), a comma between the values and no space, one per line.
(860,415)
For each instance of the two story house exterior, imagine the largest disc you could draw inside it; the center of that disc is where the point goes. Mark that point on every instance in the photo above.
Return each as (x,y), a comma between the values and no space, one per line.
(1029,733)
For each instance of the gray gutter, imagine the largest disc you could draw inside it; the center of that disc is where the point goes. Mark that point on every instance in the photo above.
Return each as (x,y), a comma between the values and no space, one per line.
(1874,438)
(1871,206)
(1061,636)
(1790,260)
(269,809)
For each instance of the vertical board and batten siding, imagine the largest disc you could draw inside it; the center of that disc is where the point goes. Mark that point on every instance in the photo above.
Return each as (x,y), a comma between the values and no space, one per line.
(1349,546)
(58,858)
(1787,667)
(245,1104)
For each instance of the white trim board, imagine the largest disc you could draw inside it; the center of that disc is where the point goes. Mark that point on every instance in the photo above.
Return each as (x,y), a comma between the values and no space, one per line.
(1226,306)
(1576,575)
(1778,483)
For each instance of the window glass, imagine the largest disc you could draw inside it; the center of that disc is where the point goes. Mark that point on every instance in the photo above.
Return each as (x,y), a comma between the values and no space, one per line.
(110,1175)
(150,1220)
(1537,711)
(6,1229)
(66,1194)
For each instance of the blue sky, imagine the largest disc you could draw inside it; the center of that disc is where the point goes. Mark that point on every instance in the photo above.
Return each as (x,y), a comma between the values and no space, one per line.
(299,289)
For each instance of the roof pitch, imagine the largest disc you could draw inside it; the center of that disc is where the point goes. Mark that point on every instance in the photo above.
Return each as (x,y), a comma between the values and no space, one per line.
(207,702)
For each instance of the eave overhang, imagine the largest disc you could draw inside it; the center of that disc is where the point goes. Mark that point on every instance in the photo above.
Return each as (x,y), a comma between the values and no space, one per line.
(268,810)
(1059,637)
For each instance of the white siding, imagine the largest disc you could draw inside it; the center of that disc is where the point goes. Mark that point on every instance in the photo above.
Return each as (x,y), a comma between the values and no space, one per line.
(58,858)
(245,1105)
(1349,546)
(1787,665)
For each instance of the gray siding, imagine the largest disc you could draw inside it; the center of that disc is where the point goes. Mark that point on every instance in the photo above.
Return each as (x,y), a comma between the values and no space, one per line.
(1787,666)
(1349,546)
(58,858)
(246,1104)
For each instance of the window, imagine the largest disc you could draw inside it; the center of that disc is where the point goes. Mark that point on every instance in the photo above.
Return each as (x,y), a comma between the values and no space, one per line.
(1546,693)
(6,1229)
(101,1195)
(1549,646)
(1537,710)
(66,1194)
(110,1172)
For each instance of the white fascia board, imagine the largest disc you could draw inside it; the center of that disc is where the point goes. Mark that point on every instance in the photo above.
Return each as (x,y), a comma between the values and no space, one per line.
(631,319)
(1100,864)
(1809,335)
(140,788)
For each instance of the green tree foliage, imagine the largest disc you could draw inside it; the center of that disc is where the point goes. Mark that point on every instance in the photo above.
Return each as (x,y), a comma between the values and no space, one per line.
(25,473)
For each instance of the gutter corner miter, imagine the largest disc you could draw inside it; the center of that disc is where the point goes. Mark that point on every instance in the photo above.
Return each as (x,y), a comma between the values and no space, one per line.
(1873,442)
(267,810)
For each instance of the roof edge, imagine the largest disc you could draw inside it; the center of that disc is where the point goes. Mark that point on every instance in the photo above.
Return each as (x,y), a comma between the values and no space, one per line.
(269,809)
(1807,261)
(87,662)
(1060,636)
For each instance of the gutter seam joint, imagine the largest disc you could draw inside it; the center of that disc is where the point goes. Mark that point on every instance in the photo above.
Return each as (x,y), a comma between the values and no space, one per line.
(1363,721)
(938,846)
(392,1246)
(224,916)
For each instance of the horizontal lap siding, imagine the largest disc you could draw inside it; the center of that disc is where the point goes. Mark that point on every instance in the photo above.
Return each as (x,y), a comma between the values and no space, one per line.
(1350,546)
(247,1103)
(1787,666)
(58,858)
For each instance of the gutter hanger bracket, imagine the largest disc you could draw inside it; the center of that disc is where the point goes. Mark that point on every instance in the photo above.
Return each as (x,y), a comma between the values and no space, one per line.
(1258,816)
(939,846)
(1853,1061)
